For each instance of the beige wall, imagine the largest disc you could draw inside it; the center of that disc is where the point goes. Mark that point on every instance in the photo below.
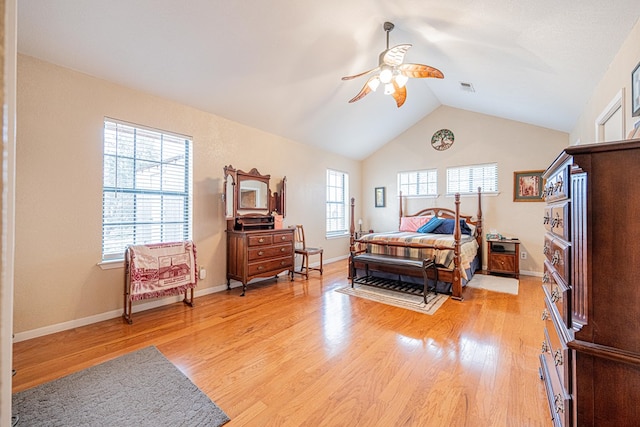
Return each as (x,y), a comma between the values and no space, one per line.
(478,139)
(617,77)
(59,188)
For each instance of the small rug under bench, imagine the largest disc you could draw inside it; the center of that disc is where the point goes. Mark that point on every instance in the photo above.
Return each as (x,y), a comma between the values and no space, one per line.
(415,301)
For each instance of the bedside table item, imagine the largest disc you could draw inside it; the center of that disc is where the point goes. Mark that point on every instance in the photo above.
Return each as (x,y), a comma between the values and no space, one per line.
(504,257)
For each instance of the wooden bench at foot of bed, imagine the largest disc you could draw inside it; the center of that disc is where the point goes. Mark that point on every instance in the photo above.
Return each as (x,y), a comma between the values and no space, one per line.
(391,264)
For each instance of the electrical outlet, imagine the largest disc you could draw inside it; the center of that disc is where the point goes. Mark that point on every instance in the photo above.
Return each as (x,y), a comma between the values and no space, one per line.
(523,255)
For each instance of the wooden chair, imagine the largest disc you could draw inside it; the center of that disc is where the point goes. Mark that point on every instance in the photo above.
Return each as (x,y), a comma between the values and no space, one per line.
(302,249)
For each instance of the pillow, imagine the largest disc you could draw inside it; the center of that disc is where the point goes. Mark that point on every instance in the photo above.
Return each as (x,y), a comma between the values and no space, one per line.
(448,225)
(412,223)
(431,225)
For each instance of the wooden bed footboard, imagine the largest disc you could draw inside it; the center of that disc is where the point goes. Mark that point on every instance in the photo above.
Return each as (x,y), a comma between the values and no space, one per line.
(453,276)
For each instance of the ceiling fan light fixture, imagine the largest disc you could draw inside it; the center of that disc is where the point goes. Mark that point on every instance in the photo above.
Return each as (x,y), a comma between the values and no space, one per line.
(392,72)
(373,83)
(388,89)
(386,75)
(401,80)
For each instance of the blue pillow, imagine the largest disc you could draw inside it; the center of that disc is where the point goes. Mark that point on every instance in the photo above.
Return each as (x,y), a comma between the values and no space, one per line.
(431,225)
(447,227)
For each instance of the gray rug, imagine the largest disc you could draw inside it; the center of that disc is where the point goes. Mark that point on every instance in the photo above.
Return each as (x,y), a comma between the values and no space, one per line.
(142,388)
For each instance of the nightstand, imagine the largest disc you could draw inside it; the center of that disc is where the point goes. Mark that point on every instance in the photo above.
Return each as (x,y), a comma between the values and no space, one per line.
(504,257)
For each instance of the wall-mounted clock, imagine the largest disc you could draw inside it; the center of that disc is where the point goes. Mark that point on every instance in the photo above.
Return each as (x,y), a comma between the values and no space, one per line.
(442,139)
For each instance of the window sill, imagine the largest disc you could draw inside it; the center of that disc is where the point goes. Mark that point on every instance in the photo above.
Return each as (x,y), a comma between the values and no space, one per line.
(111,264)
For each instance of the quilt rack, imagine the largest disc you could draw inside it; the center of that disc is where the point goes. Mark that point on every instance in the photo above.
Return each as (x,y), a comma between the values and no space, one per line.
(159,270)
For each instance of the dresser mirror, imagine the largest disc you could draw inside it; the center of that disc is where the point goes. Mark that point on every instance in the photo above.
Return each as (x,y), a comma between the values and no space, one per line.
(248,198)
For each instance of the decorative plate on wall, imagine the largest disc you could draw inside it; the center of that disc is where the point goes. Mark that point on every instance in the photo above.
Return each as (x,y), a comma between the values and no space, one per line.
(442,139)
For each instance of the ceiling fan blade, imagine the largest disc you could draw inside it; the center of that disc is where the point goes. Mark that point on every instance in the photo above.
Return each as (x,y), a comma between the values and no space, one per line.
(400,94)
(420,71)
(395,55)
(361,74)
(363,92)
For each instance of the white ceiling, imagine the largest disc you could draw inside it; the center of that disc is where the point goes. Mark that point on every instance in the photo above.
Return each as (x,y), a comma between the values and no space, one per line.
(276,65)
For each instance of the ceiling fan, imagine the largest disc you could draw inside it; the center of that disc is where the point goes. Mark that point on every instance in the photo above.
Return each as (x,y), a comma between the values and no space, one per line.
(393,73)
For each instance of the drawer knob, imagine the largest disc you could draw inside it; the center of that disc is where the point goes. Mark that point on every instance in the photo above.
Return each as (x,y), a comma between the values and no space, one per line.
(282,250)
(545,347)
(261,240)
(558,403)
(260,267)
(555,296)
(283,237)
(260,253)
(556,258)
(557,357)
(545,314)
(283,262)
(545,277)
(546,219)
(545,248)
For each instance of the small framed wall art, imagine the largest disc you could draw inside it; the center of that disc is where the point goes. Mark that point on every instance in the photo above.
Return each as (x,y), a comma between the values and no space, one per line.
(527,186)
(379,196)
(635,91)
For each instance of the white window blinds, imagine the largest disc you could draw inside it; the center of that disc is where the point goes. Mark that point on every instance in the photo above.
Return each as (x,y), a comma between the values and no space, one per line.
(147,187)
(337,203)
(467,179)
(418,183)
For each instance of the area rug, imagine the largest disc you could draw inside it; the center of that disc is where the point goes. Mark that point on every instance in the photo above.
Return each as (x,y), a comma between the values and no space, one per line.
(142,388)
(397,299)
(505,285)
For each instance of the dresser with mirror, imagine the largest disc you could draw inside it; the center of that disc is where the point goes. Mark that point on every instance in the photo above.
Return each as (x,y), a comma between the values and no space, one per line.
(256,246)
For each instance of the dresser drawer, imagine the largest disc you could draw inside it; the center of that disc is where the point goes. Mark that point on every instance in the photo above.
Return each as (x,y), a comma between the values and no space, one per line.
(559,401)
(283,236)
(556,187)
(272,265)
(556,219)
(557,253)
(261,239)
(270,252)
(557,292)
(555,346)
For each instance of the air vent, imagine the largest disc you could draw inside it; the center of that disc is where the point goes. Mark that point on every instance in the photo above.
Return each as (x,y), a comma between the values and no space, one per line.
(467,87)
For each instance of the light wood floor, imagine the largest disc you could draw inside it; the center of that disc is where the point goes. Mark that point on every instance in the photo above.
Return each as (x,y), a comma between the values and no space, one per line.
(299,353)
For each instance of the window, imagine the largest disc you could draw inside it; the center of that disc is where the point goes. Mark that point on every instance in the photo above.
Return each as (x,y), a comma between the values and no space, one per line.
(146,193)
(337,218)
(467,179)
(418,183)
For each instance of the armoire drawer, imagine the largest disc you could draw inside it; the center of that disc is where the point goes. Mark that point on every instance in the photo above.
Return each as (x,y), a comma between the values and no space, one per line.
(557,253)
(556,187)
(554,346)
(559,401)
(557,292)
(556,219)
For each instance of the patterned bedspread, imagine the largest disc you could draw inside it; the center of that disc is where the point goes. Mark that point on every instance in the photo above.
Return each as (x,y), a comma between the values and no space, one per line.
(439,246)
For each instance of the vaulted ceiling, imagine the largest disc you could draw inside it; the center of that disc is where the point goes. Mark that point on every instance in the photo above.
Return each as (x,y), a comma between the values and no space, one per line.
(277,65)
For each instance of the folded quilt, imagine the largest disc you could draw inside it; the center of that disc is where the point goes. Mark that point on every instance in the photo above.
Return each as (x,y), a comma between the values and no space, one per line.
(162,269)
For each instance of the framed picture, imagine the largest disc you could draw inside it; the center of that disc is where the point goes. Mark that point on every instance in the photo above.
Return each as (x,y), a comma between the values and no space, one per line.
(527,186)
(379,197)
(635,91)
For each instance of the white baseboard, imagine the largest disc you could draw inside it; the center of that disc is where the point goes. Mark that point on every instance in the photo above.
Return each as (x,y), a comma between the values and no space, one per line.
(76,323)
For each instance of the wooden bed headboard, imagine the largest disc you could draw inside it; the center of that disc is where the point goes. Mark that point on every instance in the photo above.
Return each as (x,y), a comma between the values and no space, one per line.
(448,213)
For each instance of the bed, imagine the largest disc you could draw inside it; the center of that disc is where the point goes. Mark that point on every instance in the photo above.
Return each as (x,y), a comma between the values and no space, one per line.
(442,260)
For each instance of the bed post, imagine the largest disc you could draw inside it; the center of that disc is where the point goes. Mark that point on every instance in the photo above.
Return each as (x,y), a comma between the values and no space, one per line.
(479,225)
(400,213)
(456,289)
(352,231)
